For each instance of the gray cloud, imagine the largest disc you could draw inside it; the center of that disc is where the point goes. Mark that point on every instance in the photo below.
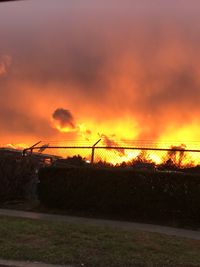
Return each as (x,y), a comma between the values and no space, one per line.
(64,118)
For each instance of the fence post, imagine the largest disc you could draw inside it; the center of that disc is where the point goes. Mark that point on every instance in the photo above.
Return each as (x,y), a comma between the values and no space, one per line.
(93,148)
(30,148)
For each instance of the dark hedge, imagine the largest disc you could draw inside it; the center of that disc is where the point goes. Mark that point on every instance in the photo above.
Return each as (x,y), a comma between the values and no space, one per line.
(122,192)
(16,174)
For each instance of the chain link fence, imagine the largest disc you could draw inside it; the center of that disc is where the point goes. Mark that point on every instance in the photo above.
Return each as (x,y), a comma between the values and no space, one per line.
(123,154)
(142,157)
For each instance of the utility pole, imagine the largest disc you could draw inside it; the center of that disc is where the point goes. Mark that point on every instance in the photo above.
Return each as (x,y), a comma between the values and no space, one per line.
(93,148)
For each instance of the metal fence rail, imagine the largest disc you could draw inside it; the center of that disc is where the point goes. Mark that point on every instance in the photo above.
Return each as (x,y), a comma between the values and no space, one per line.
(119,154)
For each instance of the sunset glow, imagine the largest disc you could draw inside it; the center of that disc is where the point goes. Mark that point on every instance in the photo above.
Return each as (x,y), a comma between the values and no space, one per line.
(100,70)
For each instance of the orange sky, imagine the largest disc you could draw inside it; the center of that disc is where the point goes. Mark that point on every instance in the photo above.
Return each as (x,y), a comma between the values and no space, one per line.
(126,70)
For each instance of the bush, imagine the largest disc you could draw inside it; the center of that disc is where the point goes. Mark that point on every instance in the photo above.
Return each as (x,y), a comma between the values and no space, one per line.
(16,173)
(122,192)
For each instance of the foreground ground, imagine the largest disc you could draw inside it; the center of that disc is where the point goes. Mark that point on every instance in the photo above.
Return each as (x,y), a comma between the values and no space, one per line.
(61,243)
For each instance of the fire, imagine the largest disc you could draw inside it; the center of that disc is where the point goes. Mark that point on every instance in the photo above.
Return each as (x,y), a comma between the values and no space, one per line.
(189,136)
(136,78)
(112,135)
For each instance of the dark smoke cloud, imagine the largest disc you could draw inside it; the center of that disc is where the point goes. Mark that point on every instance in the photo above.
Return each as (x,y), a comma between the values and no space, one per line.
(110,143)
(64,118)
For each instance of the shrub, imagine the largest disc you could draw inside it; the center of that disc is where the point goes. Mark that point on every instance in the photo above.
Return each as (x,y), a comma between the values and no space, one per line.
(16,174)
(122,192)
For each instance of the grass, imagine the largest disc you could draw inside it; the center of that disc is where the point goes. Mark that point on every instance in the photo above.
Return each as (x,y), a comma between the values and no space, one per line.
(36,206)
(79,245)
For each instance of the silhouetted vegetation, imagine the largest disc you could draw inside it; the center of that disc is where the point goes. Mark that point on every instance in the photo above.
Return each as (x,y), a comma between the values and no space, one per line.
(142,161)
(16,177)
(103,164)
(122,192)
(74,161)
(176,159)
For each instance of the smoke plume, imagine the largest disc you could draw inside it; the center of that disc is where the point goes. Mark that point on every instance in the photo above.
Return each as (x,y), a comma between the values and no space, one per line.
(110,143)
(64,118)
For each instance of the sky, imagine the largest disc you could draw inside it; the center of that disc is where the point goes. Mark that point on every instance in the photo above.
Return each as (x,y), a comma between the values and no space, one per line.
(90,69)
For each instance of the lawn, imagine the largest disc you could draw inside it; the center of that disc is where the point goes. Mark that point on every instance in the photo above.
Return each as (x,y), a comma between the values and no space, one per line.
(79,245)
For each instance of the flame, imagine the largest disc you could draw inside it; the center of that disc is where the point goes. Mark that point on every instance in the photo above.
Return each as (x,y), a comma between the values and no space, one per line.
(137,79)
(122,133)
